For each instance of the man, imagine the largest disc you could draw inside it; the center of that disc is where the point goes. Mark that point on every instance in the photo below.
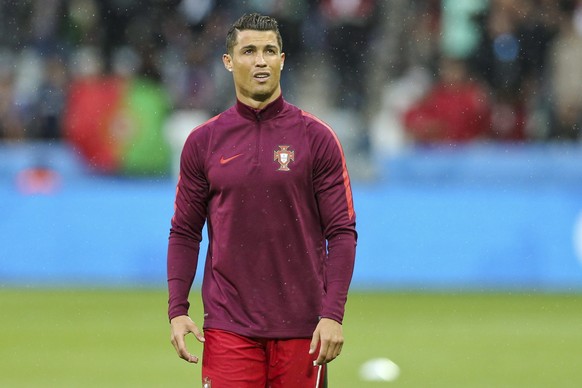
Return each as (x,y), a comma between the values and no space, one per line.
(271,182)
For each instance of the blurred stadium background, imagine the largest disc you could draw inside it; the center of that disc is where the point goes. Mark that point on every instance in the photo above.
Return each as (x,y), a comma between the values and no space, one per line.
(461,121)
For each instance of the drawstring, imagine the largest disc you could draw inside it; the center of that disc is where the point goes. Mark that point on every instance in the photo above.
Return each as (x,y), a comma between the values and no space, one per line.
(318,376)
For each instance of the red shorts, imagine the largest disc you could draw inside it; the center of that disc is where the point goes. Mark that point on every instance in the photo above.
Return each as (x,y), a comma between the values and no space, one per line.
(230,360)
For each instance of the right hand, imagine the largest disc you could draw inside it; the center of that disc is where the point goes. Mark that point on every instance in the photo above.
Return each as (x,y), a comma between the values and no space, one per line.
(180,326)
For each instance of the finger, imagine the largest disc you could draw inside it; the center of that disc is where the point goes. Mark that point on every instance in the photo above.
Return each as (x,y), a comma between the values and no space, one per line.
(187,356)
(334,348)
(333,352)
(314,342)
(339,350)
(183,353)
(323,352)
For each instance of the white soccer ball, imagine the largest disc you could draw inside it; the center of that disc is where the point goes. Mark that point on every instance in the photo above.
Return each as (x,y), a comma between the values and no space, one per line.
(379,369)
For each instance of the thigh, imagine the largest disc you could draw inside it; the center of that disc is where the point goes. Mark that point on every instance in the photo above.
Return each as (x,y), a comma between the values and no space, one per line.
(291,365)
(231,360)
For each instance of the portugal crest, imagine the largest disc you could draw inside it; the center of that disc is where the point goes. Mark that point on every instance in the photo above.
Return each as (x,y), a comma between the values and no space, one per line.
(284,157)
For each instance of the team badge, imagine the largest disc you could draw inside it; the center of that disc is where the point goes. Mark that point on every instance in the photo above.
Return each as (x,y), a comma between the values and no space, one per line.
(284,157)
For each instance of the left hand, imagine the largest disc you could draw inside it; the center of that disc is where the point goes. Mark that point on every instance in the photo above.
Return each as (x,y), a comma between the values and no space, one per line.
(329,335)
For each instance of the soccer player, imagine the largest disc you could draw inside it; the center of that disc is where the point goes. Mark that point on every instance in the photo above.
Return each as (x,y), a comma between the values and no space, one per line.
(270,181)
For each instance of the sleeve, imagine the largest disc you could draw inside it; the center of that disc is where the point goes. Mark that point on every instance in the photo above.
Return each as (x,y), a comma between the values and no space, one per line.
(186,226)
(334,198)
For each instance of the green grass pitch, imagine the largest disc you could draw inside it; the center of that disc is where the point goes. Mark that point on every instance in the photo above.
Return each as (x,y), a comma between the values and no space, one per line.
(120,338)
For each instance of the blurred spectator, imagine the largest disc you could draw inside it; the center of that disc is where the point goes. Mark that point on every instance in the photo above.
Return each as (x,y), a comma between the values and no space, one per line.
(406,69)
(424,29)
(198,87)
(192,69)
(10,124)
(46,22)
(460,31)
(456,108)
(566,75)
(349,25)
(52,95)
(511,59)
(83,25)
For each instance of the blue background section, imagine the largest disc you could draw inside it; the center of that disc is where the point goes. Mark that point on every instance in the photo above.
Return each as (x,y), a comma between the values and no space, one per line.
(482,217)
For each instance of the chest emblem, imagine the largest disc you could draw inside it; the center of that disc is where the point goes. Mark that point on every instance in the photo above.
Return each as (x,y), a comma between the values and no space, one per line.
(284,157)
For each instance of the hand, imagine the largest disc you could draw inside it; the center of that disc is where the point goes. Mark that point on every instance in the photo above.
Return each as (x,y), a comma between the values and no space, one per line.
(329,335)
(181,326)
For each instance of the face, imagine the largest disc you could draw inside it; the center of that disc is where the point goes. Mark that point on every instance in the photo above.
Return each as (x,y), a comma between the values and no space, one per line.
(256,63)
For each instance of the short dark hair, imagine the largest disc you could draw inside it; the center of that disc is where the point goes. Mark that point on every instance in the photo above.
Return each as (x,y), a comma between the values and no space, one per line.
(253,21)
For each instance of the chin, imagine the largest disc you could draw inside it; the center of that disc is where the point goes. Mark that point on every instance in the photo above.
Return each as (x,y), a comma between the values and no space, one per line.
(263,95)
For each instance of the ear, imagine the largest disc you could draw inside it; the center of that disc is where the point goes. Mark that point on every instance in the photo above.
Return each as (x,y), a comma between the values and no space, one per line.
(227,61)
(282,60)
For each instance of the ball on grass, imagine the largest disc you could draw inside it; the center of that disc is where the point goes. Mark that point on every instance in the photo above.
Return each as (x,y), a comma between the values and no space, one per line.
(379,369)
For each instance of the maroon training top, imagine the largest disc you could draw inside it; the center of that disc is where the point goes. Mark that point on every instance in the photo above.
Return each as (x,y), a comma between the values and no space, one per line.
(274,189)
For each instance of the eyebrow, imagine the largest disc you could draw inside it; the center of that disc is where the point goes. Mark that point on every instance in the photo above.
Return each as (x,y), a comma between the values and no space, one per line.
(268,46)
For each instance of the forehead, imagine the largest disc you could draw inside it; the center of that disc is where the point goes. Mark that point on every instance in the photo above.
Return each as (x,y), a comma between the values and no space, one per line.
(256,38)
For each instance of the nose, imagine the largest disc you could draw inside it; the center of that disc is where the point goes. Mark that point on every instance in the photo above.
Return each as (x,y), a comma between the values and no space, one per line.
(260,60)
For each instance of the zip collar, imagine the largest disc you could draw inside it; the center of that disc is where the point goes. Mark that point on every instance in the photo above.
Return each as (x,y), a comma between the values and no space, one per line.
(268,112)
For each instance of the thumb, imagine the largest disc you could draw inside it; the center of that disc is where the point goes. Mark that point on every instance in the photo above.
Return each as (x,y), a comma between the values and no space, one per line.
(197,332)
(199,335)
(314,342)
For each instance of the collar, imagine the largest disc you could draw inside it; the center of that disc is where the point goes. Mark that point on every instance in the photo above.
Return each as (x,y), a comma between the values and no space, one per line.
(268,112)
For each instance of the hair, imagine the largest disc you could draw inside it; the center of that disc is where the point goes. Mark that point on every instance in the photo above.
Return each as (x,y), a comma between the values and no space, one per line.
(253,21)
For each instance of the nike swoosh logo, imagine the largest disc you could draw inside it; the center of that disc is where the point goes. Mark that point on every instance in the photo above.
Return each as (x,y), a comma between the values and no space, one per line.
(224,160)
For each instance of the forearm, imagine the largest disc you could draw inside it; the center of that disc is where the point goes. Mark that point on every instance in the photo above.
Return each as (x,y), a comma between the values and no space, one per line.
(182,263)
(340,268)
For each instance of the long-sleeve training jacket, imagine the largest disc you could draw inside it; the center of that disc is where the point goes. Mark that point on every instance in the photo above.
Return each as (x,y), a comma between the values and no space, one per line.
(273,187)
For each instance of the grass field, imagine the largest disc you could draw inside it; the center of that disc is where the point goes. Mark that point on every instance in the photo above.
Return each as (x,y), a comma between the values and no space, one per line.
(120,338)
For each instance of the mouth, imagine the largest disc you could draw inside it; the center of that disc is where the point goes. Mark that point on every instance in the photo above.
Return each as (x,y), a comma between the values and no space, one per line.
(261,76)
